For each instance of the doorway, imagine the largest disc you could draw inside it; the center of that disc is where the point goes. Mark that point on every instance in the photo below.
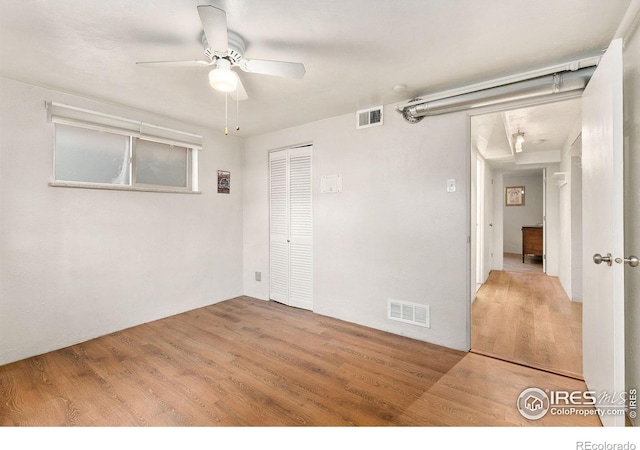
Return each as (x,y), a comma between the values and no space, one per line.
(523,221)
(520,290)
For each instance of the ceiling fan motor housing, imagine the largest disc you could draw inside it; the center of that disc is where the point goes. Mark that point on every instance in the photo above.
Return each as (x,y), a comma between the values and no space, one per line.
(234,53)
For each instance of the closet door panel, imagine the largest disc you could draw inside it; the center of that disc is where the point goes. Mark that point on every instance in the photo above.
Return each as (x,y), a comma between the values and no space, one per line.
(278,227)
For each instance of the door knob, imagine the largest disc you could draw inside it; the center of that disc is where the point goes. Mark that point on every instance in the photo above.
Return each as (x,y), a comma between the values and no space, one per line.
(632,260)
(598,258)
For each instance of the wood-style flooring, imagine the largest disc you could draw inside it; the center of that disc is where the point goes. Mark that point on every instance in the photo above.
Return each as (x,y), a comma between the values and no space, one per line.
(247,362)
(527,318)
(512,262)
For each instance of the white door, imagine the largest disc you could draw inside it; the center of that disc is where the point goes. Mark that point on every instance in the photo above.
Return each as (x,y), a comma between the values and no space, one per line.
(544,220)
(488,229)
(480,221)
(291,227)
(602,162)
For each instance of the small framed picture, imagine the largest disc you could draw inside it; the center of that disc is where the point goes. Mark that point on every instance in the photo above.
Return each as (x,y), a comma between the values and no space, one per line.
(224,182)
(514,196)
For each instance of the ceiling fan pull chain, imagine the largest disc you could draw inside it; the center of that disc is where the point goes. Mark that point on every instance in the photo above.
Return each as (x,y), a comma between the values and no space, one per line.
(226,114)
(237,111)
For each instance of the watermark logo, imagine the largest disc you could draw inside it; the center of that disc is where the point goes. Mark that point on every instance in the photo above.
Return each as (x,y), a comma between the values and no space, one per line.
(588,445)
(533,403)
(633,403)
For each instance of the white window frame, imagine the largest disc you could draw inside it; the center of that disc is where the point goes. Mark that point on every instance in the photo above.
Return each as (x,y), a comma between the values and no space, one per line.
(58,113)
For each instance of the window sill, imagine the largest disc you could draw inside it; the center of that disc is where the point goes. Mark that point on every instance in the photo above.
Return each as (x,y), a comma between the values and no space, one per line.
(116,187)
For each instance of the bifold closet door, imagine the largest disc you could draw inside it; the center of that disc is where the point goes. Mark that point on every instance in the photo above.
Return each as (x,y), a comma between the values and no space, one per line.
(291,227)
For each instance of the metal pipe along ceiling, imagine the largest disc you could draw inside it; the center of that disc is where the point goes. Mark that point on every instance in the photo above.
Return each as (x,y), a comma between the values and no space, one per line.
(536,87)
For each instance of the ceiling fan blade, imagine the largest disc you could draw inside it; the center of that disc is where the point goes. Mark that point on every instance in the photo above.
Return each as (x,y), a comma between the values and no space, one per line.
(190,63)
(239,94)
(276,68)
(214,24)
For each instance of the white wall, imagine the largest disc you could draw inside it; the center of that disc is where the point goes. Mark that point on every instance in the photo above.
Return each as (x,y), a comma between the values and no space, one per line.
(570,217)
(515,217)
(80,263)
(474,200)
(632,201)
(552,234)
(394,231)
(576,227)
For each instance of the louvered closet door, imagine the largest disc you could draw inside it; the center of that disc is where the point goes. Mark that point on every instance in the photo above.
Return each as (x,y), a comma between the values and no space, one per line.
(300,228)
(291,227)
(279,226)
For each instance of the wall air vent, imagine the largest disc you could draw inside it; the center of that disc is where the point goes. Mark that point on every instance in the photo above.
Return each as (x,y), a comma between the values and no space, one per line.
(371,117)
(409,313)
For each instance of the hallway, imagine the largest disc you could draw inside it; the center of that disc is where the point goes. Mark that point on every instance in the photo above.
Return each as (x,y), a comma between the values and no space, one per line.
(512,262)
(526,318)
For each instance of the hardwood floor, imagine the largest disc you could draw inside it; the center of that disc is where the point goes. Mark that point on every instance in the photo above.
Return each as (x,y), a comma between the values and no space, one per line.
(246,362)
(512,262)
(527,318)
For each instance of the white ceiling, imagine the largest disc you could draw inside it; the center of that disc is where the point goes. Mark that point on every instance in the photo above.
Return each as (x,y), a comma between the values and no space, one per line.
(545,127)
(354,51)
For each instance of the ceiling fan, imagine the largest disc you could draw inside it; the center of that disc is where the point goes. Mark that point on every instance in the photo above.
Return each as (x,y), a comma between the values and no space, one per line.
(224,49)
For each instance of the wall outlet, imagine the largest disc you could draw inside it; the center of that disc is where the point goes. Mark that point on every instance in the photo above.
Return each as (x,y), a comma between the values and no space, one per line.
(258,276)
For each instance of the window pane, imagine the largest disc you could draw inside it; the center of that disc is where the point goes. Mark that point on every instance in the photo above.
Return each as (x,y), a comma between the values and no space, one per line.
(91,156)
(161,164)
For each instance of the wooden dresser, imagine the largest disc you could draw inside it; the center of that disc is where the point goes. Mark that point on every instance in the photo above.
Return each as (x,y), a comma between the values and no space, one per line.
(532,241)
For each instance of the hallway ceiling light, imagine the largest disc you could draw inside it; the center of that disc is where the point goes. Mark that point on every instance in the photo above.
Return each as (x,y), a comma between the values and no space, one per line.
(519,140)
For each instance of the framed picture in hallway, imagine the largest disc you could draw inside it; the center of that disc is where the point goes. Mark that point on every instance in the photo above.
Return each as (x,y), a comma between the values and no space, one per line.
(514,196)
(224,182)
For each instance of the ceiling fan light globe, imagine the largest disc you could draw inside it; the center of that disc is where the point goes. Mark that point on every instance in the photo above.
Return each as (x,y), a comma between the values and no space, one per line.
(223,80)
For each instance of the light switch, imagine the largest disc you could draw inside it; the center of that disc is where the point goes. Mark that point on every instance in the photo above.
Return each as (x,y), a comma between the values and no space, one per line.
(451,185)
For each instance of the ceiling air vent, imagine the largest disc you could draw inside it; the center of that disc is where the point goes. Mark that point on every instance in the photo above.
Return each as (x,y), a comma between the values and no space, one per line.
(371,117)
(409,313)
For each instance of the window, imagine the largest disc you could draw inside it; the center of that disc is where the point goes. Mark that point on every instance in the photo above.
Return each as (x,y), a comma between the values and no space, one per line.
(101,151)
(161,164)
(91,156)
